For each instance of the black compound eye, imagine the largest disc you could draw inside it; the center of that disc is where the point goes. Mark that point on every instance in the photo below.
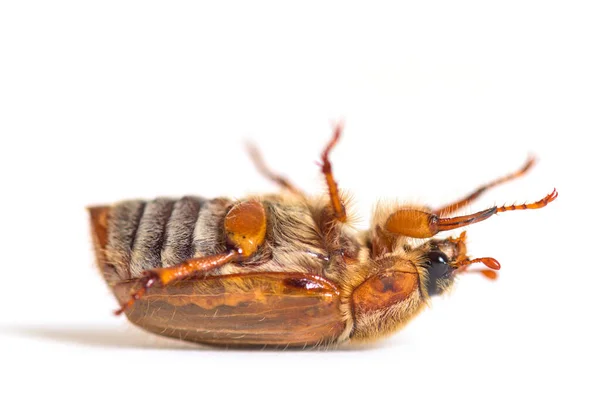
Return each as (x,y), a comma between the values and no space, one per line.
(438,264)
(438,268)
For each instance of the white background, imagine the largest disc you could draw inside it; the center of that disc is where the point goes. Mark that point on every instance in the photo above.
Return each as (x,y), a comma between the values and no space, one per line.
(111,100)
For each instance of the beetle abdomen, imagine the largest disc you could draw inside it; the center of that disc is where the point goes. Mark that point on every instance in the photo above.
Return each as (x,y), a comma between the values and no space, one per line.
(143,235)
(134,236)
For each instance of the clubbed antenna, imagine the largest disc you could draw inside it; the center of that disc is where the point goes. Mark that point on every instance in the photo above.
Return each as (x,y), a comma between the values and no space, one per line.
(490,262)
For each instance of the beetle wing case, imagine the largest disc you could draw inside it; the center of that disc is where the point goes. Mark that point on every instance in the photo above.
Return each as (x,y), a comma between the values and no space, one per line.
(250,309)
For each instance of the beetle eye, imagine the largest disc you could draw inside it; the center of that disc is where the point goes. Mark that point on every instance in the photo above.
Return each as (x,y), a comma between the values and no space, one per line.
(437,269)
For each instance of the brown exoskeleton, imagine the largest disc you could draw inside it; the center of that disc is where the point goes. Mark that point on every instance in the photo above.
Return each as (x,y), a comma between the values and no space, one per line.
(281,270)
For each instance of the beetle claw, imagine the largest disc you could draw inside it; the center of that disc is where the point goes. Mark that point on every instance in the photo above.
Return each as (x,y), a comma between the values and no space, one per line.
(148,279)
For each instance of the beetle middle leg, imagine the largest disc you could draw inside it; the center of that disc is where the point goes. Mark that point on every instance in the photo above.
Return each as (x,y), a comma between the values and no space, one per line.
(245,226)
(265,171)
(455,206)
(339,210)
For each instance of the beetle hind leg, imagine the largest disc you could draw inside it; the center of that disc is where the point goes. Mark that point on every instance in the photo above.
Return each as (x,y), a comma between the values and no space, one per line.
(245,226)
(168,275)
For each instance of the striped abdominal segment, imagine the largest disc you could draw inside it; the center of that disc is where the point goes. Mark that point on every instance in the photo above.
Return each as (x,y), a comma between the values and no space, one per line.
(162,232)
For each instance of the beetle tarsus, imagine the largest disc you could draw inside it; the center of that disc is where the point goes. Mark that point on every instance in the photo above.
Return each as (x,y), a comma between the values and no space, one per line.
(536,205)
(148,280)
(455,206)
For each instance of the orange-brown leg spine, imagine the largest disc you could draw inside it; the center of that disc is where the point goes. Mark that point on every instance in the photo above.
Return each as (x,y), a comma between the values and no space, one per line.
(339,210)
(455,206)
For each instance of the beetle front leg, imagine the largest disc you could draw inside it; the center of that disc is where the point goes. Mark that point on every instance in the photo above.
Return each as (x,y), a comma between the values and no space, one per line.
(455,206)
(421,224)
(339,210)
(245,226)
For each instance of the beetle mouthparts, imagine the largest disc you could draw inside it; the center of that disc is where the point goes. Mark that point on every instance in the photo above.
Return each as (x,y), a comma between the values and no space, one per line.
(490,262)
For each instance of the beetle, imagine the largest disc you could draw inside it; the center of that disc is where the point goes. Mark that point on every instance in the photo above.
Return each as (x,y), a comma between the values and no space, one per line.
(282,270)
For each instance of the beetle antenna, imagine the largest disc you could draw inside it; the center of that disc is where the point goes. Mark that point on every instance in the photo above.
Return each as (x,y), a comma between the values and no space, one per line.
(488,261)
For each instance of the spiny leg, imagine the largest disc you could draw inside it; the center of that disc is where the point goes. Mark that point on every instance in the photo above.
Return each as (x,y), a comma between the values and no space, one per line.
(265,171)
(420,224)
(245,226)
(167,275)
(339,210)
(455,206)
(536,205)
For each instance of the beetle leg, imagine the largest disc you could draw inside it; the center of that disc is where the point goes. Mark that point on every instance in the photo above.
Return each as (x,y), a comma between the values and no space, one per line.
(245,226)
(453,207)
(339,210)
(421,224)
(188,268)
(265,171)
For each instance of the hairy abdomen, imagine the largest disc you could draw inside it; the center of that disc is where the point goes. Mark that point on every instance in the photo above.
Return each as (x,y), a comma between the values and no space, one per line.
(134,236)
(143,235)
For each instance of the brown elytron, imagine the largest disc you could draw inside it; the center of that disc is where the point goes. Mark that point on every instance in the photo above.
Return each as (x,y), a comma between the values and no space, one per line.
(282,270)
(242,309)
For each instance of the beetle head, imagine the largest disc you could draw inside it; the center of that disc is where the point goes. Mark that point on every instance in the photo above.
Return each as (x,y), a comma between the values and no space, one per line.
(448,257)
